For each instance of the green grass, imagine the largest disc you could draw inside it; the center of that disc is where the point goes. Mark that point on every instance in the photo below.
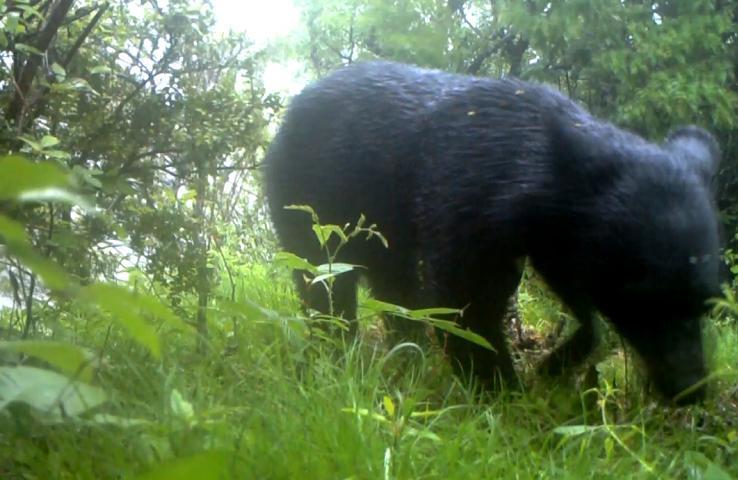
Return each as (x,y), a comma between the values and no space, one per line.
(272,401)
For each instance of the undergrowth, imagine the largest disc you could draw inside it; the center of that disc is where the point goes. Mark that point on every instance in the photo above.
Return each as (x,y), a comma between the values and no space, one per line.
(271,400)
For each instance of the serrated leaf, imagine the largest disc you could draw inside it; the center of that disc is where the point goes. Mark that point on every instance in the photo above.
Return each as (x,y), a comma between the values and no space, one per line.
(70,359)
(48,392)
(202,466)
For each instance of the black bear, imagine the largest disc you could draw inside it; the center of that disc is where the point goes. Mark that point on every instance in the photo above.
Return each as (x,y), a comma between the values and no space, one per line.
(468,176)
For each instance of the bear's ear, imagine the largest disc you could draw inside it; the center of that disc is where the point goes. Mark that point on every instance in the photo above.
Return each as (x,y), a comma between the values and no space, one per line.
(697,147)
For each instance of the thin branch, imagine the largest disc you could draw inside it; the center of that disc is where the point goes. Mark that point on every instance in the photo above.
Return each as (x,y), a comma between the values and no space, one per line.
(57,12)
(85,33)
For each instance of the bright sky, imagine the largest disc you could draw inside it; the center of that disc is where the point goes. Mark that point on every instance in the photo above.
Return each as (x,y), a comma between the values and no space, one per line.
(265,21)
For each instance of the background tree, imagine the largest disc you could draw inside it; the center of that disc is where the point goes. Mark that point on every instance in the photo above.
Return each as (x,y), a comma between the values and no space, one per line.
(125,97)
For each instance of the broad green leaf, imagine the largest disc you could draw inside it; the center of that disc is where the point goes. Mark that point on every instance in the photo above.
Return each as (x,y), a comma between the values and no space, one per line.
(18,245)
(81,85)
(389,405)
(51,274)
(31,142)
(379,306)
(323,277)
(189,195)
(125,309)
(244,310)
(181,408)
(324,232)
(712,471)
(57,195)
(88,176)
(152,306)
(59,72)
(716,472)
(58,154)
(454,329)
(13,233)
(25,48)
(17,175)
(100,69)
(29,11)
(47,391)
(330,270)
(202,466)
(49,140)
(336,267)
(68,358)
(293,261)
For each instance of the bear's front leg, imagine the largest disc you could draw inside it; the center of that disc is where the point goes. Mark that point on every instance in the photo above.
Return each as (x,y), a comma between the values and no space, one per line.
(483,293)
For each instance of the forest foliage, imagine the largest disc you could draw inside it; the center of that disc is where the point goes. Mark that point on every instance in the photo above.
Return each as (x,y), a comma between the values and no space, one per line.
(145,328)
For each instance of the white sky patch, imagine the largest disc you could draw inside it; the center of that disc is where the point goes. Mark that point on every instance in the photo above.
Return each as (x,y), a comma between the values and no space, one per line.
(265,22)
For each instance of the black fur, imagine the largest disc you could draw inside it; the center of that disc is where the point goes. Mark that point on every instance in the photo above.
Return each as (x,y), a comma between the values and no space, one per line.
(468,176)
